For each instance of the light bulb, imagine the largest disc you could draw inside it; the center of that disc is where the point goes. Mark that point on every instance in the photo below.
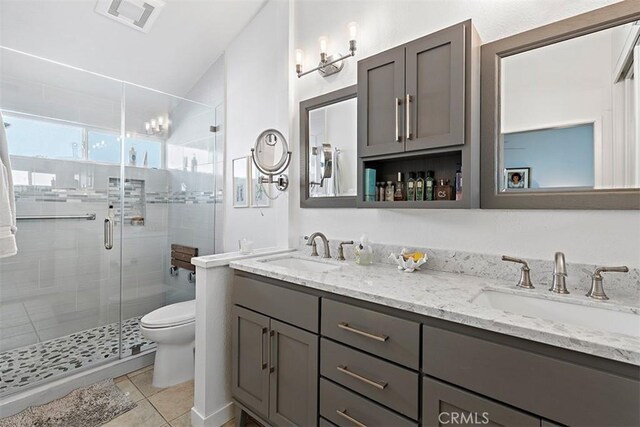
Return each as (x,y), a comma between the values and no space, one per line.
(147,126)
(299,56)
(160,120)
(353,30)
(323,44)
(154,124)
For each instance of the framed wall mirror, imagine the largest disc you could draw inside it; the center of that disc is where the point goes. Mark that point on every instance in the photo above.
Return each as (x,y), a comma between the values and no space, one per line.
(328,158)
(560,114)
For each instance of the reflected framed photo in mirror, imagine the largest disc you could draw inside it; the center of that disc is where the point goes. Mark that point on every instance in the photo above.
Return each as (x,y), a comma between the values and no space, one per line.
(241,182)
(516,178)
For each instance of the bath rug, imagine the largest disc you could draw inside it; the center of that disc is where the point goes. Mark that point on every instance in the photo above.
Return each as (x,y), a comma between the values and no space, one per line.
(85,407)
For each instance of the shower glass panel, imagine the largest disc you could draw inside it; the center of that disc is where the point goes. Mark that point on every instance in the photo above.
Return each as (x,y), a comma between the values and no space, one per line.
(60,295)
(79,143)
(165,205)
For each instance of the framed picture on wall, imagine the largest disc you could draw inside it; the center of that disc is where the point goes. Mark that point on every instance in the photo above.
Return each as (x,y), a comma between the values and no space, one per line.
(516,178)
(260,193)
(241,178)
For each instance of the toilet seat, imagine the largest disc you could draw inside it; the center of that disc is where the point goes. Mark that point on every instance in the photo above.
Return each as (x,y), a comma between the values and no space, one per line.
(171,315)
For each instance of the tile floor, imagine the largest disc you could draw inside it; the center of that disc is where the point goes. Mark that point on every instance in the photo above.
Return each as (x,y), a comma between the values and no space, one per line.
(157,407)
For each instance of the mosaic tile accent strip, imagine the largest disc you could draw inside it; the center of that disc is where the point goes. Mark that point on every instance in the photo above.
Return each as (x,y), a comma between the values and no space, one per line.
(70,195)
(48,360)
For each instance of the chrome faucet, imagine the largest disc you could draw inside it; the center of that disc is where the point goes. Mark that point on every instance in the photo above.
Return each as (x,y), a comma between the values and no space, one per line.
(597,291)
(559,285)
(311,241)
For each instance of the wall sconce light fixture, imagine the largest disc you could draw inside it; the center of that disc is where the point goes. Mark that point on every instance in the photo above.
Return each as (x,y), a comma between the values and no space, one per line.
(329,64)
(156,126)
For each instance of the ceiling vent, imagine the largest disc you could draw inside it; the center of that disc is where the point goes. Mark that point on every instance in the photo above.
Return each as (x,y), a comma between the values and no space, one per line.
(138,14)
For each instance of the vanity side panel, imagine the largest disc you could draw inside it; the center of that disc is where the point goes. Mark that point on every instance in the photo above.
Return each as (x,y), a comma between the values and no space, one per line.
(556,389)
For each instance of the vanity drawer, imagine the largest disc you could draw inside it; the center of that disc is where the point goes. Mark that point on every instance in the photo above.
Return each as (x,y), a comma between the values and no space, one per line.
(298,308)
(381,334)
(384,382)
(345,408)
(545,384)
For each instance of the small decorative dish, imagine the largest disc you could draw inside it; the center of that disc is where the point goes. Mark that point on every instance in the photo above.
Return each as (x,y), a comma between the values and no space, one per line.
(409,261)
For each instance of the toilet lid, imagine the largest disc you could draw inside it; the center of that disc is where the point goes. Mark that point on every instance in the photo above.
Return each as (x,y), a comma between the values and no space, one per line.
(171,315)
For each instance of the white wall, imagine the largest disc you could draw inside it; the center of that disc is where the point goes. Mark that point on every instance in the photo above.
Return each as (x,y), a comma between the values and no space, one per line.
(257,63)
(585,236)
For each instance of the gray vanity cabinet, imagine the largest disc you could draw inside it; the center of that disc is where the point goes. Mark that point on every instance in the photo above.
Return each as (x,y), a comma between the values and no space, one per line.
(443,405)
(274,364)
(250,369)
(412,97)
(294,376)
(435,90)
(380,103)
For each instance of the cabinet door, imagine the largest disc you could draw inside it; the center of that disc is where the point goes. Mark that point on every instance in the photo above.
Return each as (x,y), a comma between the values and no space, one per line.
(294,376)
(380,105)
(250,354)
(444,405)
(435,82)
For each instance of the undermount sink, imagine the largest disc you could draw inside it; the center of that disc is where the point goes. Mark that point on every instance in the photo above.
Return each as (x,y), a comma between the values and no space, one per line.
(596,318)
(300,264)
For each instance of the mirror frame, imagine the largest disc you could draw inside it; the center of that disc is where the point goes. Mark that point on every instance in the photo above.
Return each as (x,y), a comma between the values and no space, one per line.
(491,197)
(334,97)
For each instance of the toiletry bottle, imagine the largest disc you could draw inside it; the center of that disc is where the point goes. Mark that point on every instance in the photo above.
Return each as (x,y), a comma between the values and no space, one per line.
(194,163)
(399,194)
(420,187)
(132,156)
(443,190)
(411,187)
(381,192)
(389,191)
(429,185)
(459,182)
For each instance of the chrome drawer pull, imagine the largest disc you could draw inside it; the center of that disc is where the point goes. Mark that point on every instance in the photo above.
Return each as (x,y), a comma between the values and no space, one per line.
(346,327)
(344,415)
(380,385)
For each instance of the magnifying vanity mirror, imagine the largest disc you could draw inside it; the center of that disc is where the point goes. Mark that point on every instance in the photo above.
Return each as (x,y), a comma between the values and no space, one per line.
(560,116)
(271,156)
(328,138)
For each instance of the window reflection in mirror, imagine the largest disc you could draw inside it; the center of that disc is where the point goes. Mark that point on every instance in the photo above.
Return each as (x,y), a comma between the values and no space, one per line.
(332,149)
(569,114)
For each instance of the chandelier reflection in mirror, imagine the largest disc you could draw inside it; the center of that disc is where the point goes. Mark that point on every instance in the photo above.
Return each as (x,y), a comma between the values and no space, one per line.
(271,156)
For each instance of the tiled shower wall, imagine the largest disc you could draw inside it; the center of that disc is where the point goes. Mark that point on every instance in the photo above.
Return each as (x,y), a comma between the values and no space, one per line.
(63,280)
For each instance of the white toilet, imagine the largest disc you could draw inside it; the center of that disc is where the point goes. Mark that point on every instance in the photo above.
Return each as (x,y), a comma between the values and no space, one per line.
(173,329)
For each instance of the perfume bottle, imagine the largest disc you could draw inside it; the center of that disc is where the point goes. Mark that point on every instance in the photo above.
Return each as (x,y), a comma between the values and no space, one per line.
(429,186)
(459,182)
(399,194)
(443,190)
(389,191)
(411,187)
(420,187)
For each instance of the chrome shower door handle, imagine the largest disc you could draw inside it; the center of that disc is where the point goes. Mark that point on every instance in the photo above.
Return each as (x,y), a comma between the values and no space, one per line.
(398,102)
(108,233)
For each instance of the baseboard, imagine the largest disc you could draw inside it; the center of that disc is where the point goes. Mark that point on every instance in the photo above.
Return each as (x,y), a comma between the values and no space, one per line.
(45,393)
(217,419)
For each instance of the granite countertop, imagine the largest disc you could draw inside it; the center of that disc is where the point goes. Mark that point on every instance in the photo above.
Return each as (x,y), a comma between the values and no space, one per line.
(449,296)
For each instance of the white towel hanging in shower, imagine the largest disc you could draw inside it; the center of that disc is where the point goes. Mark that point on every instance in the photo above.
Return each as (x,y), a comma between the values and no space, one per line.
(8,229)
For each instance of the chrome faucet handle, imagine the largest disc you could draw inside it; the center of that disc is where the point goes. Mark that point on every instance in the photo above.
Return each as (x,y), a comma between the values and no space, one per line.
(314,246)
(340,256)
(597,290)
(525,277)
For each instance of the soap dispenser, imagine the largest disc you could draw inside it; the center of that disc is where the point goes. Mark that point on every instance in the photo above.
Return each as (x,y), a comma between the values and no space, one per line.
(364,252)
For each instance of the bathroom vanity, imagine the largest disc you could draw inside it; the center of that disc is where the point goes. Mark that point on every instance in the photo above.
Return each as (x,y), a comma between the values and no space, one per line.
(329,343)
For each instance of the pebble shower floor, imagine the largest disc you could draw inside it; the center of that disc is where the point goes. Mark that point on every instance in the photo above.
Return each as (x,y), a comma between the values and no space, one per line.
(51,359)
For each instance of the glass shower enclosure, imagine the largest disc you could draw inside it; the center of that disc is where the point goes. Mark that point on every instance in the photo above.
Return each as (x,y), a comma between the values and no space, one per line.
(85,148)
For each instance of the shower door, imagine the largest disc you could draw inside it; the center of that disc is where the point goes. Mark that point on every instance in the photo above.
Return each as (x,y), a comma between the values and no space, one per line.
(60,295)
(169,199)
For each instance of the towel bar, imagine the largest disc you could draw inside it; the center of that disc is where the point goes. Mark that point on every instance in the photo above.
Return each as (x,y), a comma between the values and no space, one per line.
(88,217)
